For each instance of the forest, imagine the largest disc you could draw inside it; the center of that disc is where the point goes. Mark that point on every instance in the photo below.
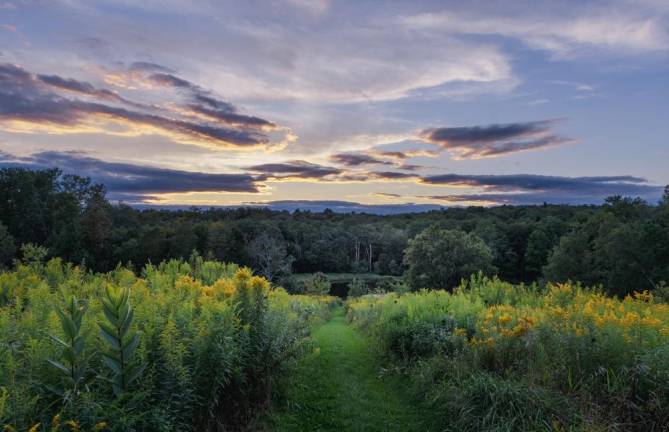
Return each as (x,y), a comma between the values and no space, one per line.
(622,245)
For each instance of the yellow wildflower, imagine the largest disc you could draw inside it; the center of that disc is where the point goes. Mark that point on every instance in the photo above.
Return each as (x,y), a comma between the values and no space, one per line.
(644,296)
(243,274)
(73,425)
(505,319)
(100,426)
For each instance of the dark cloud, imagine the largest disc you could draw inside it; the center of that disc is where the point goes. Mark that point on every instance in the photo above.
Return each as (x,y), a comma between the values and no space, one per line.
(376,158)
(207,105)
(169,80)
(466,135)
(494,140)
(406,154)
(67,84)
(231,118)
(34,99)
(410,167)
(293,169)
(357,159)
(393,154)
(83,88)
(391,175)
(134,182)
(536,189)
(387,194)
(214,103)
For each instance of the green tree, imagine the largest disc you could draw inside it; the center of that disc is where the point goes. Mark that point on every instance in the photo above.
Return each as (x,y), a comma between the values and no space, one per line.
(572,259)
(317,284)
(7,246)
(439,258)
(357,288)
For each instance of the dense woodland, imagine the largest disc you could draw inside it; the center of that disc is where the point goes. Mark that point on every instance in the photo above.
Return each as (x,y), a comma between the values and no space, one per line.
(623,244)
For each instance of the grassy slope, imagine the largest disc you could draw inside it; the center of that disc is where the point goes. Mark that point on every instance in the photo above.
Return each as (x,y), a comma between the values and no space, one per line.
(337,389)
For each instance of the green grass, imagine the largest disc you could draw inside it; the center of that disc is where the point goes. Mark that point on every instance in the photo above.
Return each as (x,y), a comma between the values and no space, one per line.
(337,388)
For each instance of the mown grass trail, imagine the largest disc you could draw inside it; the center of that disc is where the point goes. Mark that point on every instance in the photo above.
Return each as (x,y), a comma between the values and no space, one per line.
(337,388)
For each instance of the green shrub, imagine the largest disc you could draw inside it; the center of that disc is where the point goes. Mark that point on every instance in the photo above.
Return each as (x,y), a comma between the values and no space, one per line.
(357,288)
(317,284)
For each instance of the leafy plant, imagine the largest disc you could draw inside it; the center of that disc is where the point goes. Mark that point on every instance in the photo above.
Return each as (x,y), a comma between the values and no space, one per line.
(214,340)
(73,365)
(122,342)
(318,284)
(357,288)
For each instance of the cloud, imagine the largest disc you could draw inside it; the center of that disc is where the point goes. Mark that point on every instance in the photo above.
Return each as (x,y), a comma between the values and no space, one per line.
(406,154)
(391,175)
(139,183)
(353,64)
(297,169)
(387,195)
(34,103)
(83,88)
(629,32)
(410,167)
(389,158)
(536,189)
(478,142)
(357,159)
(134,182)
(207,105)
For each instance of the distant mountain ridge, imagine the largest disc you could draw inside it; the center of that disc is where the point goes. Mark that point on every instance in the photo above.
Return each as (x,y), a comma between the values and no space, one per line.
(314,206)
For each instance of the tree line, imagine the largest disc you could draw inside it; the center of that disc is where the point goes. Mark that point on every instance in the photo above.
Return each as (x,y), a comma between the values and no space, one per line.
(622,244)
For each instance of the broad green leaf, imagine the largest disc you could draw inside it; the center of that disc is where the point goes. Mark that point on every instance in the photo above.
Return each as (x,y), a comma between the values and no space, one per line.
(108,334)
(59,341)
(113,364)
(131,346)
(126,324)
(135,373)
(110,314)
(59,366)
(78,345)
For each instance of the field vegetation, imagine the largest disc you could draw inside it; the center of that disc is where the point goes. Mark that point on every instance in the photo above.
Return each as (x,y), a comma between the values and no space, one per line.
(193,345)
(499,357)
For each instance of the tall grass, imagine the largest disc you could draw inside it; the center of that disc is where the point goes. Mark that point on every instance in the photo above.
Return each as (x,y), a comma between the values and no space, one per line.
(494,356)
(187,346)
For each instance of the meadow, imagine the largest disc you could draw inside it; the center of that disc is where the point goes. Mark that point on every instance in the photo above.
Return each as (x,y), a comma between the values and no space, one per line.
(493,356)
(183,346)
(208,346)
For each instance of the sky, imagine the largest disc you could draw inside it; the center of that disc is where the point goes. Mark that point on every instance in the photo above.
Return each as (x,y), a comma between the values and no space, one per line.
(359,104)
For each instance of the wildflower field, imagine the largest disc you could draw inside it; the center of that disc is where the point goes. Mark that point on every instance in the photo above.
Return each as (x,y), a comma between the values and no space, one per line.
(193,345)
(499,357)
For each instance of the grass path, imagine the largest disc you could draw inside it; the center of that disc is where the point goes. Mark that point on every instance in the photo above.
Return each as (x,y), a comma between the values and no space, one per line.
(337,388)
